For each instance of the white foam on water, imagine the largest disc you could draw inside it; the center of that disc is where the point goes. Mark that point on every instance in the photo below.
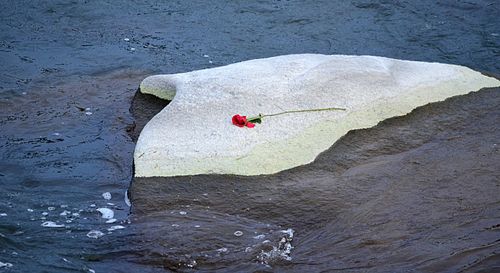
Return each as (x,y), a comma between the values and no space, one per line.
(106,213)
(222,250)
(289,232)
(281,252)
(2,265)
(113,228)
(95,234)
(106,196)
(111,221)
(51,224)
(65,213)
(127,201)
(238,233)
(191,264)
(3,214)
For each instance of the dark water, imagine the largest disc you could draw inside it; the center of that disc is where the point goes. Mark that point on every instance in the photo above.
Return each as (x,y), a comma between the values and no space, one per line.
(415,193)
(67,80)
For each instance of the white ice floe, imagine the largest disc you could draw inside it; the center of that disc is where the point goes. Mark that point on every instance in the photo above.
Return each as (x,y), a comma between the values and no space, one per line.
(51,224)
(94,234)
(178,140)
(106,213)
(106,196)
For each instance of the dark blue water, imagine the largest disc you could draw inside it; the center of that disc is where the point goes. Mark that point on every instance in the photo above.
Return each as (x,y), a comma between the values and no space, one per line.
(69,70)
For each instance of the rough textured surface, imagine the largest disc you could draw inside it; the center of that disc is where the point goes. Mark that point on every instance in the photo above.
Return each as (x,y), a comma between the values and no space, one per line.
(417,193)
(194,135)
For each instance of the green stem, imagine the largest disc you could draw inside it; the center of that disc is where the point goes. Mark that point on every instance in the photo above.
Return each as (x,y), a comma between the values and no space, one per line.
(302,111)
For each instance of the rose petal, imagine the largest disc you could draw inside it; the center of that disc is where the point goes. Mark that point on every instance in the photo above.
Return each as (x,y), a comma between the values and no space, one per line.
(239,121)
(250,125)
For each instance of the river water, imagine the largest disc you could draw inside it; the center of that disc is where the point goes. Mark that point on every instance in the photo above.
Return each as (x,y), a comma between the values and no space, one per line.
(415,193)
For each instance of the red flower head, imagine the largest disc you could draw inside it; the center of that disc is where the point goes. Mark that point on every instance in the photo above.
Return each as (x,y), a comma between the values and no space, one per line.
(241,121)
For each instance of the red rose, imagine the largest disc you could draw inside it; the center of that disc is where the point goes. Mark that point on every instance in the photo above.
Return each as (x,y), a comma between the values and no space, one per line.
(239,121)
(242,121)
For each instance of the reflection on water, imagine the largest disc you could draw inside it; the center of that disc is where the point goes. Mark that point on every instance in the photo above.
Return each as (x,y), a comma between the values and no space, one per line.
(420,193)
